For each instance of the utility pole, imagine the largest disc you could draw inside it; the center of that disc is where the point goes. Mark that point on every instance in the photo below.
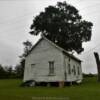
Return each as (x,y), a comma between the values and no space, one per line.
(98,65)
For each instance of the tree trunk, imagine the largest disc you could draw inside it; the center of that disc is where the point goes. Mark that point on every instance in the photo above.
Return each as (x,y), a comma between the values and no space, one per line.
(98,64)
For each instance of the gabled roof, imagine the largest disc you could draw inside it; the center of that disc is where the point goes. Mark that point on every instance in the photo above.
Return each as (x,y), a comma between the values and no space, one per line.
(61,49)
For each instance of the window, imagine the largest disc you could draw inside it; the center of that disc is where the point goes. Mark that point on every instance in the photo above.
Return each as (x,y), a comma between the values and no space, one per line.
(51,67)
(78,70)
(69,59)
(74,70)
(32,67)
(69,69)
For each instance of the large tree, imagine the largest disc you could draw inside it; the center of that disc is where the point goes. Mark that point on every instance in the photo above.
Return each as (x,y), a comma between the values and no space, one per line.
(63,25)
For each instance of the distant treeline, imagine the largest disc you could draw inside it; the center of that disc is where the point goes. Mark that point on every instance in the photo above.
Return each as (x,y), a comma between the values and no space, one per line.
(8,72)
(89,75)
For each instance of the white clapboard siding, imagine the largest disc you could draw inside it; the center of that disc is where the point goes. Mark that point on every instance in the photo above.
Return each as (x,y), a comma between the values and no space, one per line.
(40,56)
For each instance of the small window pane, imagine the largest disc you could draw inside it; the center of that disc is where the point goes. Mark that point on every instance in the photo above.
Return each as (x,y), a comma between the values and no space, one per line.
(51,67)
(74,70)
(32,67)
(69,69)
(78,70)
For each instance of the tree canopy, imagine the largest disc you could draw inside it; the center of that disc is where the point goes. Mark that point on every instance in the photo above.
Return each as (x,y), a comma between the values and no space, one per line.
(27,47)
(63,25)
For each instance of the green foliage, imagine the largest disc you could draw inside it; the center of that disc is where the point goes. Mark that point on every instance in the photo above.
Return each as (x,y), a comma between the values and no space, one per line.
(27,47)
(19,69)
(63,25)
(7,72)
(2,72)
(89,75)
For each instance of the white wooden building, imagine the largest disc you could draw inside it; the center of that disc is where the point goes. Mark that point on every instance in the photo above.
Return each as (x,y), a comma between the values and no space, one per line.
(47,62)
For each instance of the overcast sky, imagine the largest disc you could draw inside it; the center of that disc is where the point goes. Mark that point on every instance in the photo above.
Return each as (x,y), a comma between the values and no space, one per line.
(16,17)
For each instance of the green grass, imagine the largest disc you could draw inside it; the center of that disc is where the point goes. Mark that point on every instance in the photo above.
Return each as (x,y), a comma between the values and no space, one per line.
(88,90)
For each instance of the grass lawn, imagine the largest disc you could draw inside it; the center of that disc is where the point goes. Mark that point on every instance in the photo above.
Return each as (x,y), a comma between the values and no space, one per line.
(88,90)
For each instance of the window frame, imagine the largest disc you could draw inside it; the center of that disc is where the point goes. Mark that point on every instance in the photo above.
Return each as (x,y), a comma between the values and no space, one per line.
(78,71)
(32,66)
(51,68)
(69,69)
(74,69)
